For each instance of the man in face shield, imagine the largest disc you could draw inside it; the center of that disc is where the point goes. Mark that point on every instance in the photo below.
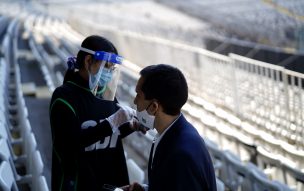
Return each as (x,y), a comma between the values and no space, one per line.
(87,123)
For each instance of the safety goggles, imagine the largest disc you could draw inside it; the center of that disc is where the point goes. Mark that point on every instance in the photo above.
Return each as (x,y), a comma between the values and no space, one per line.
(104,56)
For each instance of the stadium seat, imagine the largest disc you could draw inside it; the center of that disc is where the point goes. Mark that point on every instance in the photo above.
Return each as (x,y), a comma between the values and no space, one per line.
(23,170)
(220,186)
(28,147)
(38,182)
(293,177)
(5,155)
(269,161)
(238,174)
(41,184)
(7,180)
(3,132)
(261,182)
(219,160)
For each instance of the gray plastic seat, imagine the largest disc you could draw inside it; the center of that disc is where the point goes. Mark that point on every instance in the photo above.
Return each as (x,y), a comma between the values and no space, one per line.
(7,179)
(238,173)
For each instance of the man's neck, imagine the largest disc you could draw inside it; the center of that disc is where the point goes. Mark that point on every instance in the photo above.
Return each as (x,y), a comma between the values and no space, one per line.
(163,122)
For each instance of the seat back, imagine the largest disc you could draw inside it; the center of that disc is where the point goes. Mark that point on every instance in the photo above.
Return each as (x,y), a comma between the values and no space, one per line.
(35,169)
(41,184)
(238,174)
(5,155)
(7,179)
(220,186)
(218,159)
(260,183)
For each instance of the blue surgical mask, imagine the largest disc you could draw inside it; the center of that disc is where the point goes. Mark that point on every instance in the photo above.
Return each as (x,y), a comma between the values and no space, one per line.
(105,77)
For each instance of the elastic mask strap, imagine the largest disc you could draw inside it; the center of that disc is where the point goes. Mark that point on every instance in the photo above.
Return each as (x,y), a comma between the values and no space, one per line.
(149,106)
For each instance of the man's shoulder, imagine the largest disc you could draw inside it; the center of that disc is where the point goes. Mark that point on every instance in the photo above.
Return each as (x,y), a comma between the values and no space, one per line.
(188,138)
(188,131)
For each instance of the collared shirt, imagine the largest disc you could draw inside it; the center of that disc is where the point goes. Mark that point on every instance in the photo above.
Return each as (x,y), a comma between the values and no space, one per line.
(158,136)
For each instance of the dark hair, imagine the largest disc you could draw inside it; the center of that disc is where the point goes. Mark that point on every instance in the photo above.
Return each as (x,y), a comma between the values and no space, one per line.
(167,85)
(95,43)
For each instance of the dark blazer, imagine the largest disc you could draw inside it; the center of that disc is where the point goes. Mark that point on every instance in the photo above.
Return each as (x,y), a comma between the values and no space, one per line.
(181,161)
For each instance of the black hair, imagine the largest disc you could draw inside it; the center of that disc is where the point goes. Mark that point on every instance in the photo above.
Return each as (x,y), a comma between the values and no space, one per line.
(167,85)
(95,43)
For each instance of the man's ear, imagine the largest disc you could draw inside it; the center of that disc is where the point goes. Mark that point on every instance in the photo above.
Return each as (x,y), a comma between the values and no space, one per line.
(155,106)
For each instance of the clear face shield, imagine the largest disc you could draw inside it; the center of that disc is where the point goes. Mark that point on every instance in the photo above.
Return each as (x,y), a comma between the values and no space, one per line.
(104,82)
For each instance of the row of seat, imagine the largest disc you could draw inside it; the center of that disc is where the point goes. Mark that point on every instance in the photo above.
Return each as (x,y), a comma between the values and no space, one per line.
(239,176)
(254,21)
(249,148)
(21,163)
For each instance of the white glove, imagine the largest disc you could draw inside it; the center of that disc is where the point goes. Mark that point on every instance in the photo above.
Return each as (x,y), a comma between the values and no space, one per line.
(131,112)
(136,126)
(123,115)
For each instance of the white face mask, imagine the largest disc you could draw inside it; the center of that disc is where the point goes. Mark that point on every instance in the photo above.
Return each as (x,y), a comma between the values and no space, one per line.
(145,119)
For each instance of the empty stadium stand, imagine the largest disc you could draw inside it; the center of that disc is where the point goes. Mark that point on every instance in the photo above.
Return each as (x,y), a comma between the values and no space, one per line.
(248,111)
(276,39)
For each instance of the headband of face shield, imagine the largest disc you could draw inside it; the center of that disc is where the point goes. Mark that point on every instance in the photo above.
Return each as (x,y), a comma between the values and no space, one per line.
(104,82)
(105,56)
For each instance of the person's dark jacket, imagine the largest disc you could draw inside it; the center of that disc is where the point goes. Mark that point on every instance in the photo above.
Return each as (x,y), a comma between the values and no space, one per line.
(86,154)
(181,161)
